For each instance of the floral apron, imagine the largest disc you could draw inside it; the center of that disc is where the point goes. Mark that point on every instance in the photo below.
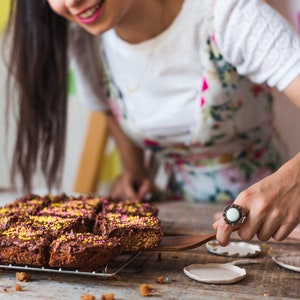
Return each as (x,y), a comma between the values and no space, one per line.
(235,143)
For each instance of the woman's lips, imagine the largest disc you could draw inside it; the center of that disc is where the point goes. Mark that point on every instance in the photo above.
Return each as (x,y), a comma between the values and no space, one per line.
(91,14)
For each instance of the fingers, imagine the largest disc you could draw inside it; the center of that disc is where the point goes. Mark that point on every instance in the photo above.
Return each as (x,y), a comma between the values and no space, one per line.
(144,189)
(295,234)
(251,226)
(129,192)
(127,186)
(265,219)
(123,188)
(268,228)
(284,231)
(225,230)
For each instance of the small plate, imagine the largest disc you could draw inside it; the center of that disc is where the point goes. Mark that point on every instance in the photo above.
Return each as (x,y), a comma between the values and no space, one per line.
(234,249)
(289,261)
(215,273)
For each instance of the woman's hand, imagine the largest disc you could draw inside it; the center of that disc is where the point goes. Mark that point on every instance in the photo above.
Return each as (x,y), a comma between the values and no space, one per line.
(133,186)
(134,183)
(272,206)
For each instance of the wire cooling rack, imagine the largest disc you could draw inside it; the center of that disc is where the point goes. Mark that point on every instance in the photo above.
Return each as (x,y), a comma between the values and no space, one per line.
(109,270)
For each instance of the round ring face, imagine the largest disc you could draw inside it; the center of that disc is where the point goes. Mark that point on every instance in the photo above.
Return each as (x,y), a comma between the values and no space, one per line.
(233,215)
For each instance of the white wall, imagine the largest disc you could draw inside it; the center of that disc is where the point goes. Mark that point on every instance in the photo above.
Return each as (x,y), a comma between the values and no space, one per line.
(4,153)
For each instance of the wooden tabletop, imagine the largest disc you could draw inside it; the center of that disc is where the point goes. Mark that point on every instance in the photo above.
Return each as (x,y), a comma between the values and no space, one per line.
(263,280)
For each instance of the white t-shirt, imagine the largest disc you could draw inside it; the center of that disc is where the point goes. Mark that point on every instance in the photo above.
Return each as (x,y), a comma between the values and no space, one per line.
(250,34)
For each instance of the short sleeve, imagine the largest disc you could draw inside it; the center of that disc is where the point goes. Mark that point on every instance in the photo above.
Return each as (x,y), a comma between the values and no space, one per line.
(258,41)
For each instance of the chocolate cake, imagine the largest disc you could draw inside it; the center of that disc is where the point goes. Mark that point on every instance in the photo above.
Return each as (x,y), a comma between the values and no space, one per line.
(130,207)
(24,246)
(29,205)
(54,226)
(84,251)
(135,233)
(7,220)
(74,232)
(74,208)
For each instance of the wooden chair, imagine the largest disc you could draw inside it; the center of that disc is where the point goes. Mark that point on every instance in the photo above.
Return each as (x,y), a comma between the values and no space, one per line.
(93,153)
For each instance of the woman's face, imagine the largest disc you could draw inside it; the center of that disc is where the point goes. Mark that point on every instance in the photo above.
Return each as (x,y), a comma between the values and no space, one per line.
(95,16)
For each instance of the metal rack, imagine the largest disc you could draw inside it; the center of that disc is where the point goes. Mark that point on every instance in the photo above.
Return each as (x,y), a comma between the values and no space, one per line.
(121,263)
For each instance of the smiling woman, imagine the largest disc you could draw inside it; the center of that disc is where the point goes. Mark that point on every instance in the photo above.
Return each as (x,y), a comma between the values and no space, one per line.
(203,105)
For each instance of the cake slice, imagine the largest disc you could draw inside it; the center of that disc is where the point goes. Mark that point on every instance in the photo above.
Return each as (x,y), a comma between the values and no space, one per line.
(135,233)
(54,226)
(29,205)
(7,219)
(83,251)
(24,246)
(130,207)
(73,208)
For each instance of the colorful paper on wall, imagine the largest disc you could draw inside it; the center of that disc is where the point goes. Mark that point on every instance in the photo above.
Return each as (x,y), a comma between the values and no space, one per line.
(71,83)
(111,166)
(4,13)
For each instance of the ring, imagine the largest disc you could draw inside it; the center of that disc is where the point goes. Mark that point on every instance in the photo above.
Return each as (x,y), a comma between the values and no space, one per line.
(233,215)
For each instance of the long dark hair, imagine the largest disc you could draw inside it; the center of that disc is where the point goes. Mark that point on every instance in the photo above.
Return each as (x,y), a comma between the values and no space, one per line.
(38,68)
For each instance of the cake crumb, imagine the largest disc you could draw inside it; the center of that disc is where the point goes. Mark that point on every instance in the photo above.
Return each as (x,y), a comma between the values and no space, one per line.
(159,279)
(108,296)
(22,276)
(145,289)
(18,288)
(87,297)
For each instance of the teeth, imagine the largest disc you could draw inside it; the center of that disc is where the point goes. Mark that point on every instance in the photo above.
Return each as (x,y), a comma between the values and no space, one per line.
(88,13)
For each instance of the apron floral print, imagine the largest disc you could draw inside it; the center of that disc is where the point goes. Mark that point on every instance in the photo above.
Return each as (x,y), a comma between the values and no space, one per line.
(234,143)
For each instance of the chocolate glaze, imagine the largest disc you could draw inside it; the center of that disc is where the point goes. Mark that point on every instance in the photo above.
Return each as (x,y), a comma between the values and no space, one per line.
(74,232)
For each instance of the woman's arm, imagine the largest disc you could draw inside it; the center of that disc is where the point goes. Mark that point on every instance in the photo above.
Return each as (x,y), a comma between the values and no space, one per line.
(293,91)
(134,182)
(272,205)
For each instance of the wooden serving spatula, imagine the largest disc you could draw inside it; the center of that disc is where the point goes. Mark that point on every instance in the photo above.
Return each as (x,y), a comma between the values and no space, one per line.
(183,242)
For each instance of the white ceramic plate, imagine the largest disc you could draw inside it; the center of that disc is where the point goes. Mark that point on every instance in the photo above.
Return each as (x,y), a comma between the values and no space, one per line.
(215,273)
(234,249)
(289,261)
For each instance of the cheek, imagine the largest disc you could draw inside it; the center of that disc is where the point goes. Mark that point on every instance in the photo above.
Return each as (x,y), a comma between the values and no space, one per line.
(59,8)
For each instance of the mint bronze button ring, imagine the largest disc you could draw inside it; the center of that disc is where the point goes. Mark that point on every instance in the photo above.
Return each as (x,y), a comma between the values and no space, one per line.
(233,215)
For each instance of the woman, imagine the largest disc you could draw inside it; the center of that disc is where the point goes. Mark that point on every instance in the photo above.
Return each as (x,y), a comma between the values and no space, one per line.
(190,81)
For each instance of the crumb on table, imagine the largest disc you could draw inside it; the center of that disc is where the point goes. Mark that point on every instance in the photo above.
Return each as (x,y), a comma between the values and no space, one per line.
(145,289)
(159,279)
(108,296)
(23,276)
(87,297)
(18,288)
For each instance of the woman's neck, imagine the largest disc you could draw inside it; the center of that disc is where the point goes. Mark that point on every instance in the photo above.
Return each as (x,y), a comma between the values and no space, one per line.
(147,19)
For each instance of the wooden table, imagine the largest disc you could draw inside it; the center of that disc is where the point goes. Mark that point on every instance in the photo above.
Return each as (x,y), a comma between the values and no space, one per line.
(263,280)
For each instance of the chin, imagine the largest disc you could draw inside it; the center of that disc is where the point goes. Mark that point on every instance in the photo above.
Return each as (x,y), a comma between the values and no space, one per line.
(97,30)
